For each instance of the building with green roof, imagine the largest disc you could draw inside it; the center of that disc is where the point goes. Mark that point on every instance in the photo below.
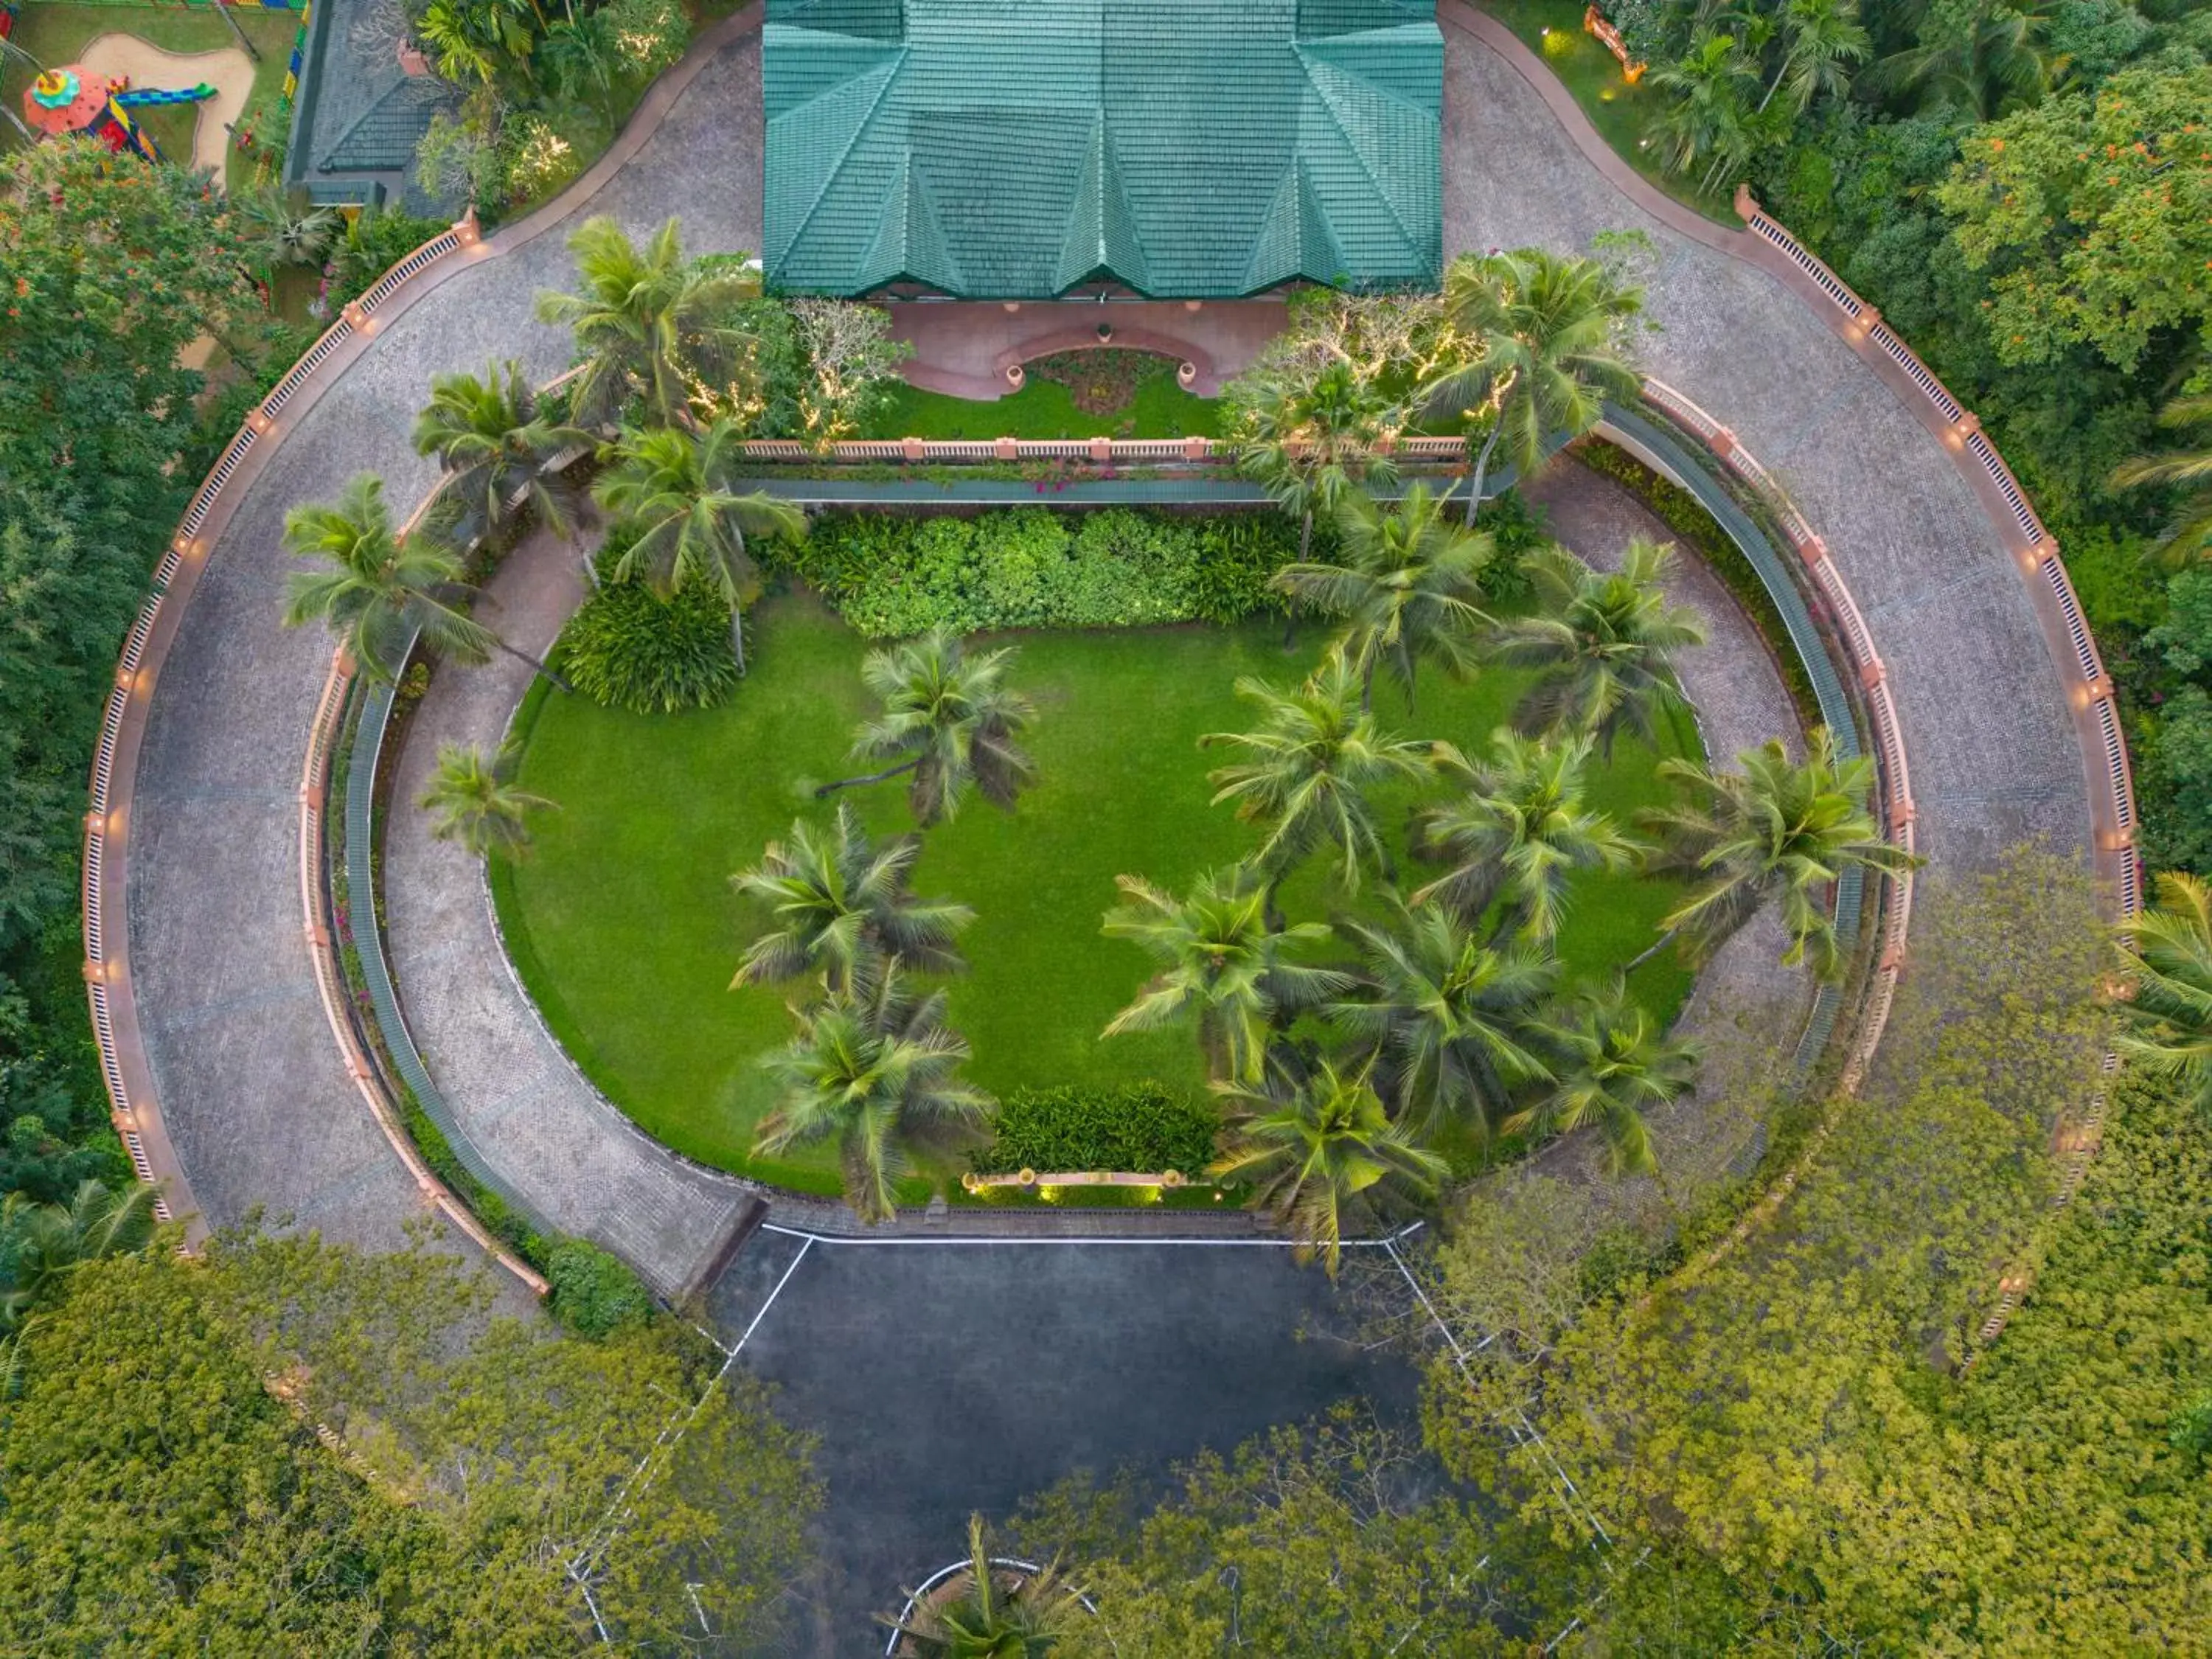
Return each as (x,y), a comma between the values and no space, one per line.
(1025,148)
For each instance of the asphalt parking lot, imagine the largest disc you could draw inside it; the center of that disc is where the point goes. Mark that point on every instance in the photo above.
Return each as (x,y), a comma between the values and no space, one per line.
(945,1377)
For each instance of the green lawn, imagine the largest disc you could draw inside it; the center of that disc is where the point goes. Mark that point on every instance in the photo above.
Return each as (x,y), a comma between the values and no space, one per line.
(625,927)
(1045,409)
(1622,113)
(55,33)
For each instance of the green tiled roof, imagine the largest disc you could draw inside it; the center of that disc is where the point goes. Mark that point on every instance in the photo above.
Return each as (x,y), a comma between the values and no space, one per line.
(1187,149)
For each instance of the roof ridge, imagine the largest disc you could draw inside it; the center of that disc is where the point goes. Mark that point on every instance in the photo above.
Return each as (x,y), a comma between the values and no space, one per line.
(889,69)
(1383,192)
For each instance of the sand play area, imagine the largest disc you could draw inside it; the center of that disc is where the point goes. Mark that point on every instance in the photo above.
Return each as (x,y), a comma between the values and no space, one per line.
(230,71)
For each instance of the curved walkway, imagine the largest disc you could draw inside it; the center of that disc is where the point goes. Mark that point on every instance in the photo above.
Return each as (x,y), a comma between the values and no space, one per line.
(259,1109)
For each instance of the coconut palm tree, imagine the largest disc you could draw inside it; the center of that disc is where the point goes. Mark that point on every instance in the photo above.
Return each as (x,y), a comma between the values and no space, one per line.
(42,1244)
(950,723)
(1777,830)
(478,804)
(1407,583)
(647,322)
(1311,437)
(1599,644)
(1540,330)
(1708,115)
(670,490)
(998,1609)
(1315,1149)
(1221,959)
(1308,768)
(2188,533)
(869,1065)
(497,449)
(287,229)
(1820,40)
(379,590)
(1518,831)
(1984,59)
(1611,1064)
(842,903)
(1445,1017)
(2169,1014)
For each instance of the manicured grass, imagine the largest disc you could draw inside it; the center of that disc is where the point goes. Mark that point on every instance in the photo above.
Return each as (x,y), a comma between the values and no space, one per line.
(1623,114)
(1045,409)
(56,33)
(623,925)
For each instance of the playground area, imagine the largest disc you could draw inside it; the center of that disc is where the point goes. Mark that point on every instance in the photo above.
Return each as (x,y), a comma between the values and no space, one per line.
(164,55)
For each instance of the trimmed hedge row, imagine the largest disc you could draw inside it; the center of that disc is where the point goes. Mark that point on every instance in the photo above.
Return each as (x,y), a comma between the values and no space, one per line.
(1138,1127)
(892,576)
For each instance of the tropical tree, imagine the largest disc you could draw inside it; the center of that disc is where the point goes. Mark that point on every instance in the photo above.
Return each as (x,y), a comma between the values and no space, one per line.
(288,229)
(1708,115)
(1309,770)
(871,1064)
(1822,39)
(670,491)
(477,803)
(497,447)
(1599,642)
(2169,1012)
(1445,1017)
(997,1610)
(1983,57)
(1777,830)
(1611,1064)
(1315,1149)
(40,1244)
(1221,959)
(2188,532)
(842,905)
(1519,829)
(950,723)
(379,590)
(473,40)
(1540,334)
(1407,583)
(647,322)
(1311,435)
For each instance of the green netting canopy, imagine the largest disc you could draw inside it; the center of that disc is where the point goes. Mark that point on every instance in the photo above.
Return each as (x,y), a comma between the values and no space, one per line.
(1185,149)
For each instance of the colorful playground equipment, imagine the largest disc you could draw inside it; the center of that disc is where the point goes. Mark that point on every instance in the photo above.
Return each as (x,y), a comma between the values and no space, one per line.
(71,100)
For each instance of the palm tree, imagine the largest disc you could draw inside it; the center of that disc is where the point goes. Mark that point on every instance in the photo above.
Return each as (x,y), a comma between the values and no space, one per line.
(1773,830)
(1611,1064)
(842,903)
(1313,1152)
(380,590)
(1310,764)
(2187,533)
(1539,329)
(646,322)
(497,449)
(2170,1012)
(1519,831)
(478,802)
(288,229)
(1220,959)
(1984,59)
(1002,1610)
(1599,642)
(1821,39)
(42,1244)
(1444,1016)
(949,719)
(1406,584)
(869,1063)
(1708,116)
(1312,441)
(671,488)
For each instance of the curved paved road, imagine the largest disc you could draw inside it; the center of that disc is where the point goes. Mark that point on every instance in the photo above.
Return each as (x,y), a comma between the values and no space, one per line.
(260,1110)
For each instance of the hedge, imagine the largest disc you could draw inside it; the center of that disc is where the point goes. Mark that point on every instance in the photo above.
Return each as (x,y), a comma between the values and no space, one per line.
(1032,567)
(1138,1127)
(594,1294)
